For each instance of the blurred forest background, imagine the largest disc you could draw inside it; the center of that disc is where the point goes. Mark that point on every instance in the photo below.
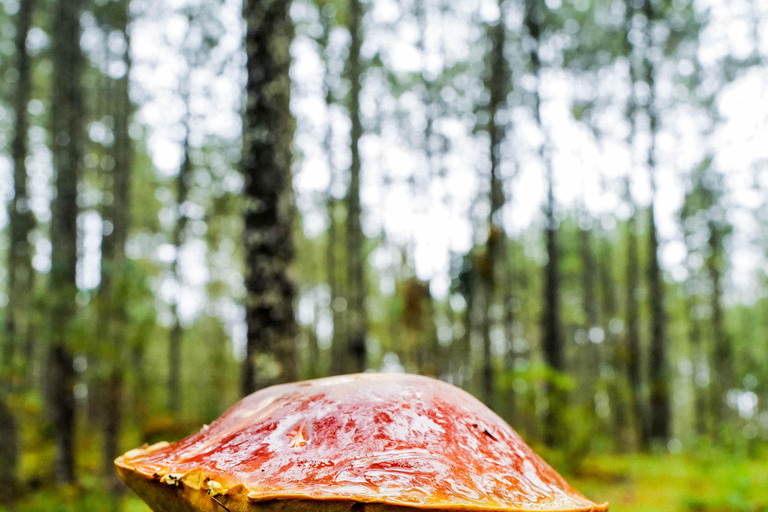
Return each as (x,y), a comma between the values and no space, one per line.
(558,205)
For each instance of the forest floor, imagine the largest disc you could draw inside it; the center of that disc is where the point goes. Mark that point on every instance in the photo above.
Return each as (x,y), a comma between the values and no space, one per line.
(711,482)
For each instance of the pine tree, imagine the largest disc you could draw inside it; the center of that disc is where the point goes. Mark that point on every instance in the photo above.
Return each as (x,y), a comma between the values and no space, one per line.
(114,280)
(18,335)
(552,343)
(183,182)
(658,379)
(357,318)
(497,84)
(266,168)
(633,362)
(67,113)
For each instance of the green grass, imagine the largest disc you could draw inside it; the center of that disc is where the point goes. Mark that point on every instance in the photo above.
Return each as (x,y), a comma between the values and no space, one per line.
(676,483)
(705,482)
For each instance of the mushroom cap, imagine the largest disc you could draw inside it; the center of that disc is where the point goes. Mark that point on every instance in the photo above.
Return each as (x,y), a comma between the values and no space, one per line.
(375,442)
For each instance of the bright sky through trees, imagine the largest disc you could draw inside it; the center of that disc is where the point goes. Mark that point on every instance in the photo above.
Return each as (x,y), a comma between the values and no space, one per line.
(437,219)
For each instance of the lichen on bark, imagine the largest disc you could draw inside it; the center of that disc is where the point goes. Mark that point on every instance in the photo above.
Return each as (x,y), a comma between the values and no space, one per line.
(268,206)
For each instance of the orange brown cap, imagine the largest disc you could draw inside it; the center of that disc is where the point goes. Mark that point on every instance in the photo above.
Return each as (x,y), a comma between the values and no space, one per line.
(368,442)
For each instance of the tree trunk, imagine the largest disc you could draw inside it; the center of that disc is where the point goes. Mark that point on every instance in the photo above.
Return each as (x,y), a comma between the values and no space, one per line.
(337,338)
(659,428)
(336,297)
(634,375)
(179,235)
(21,276)
(463,354)
(551,342)
(722,349)
(496,86)
(698,356)
(67,138)
(588,278)
(510,354)
(614,347)
(357,313)
(591,360)
(114,259)
(268,212)
(632,356)
(9,453)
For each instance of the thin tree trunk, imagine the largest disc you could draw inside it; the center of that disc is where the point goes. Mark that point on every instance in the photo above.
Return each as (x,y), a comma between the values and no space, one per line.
(633,363)
(118,213)
(509,316)
(358,316)
(21,276)
(698,356)
(429,358)
(552,343)
(591,355)
(659,428)
(614,347)
(497,86)
(178,237)
(268,213)
(588,278)
(67,115)
(337,348)
(9,453)
(722,349)
(510,354)
(634,375)
(337,338)
(464,354)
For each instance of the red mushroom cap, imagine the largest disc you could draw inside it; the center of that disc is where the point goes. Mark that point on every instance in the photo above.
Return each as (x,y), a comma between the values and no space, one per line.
(393,440)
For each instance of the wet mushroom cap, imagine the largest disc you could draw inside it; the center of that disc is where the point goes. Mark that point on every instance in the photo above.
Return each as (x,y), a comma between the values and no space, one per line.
(374,442)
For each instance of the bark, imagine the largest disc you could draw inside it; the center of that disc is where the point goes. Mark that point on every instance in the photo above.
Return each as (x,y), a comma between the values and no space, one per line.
(588,278)
(335,292)
(268,212)
(67,137)
(722,349)
(632,359)
(9,453)
(423,344)
(659,428)
(467,279)
(114,261)
(19,338)
(357,315)
(614,348)
(698,356)
(591,355)
(510,356)
(337,347)
(632,350)
(552,343)
(21,276)
(496,86)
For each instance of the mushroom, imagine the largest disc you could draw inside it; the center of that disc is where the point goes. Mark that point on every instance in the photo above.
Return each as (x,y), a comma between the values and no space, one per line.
(368,442)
